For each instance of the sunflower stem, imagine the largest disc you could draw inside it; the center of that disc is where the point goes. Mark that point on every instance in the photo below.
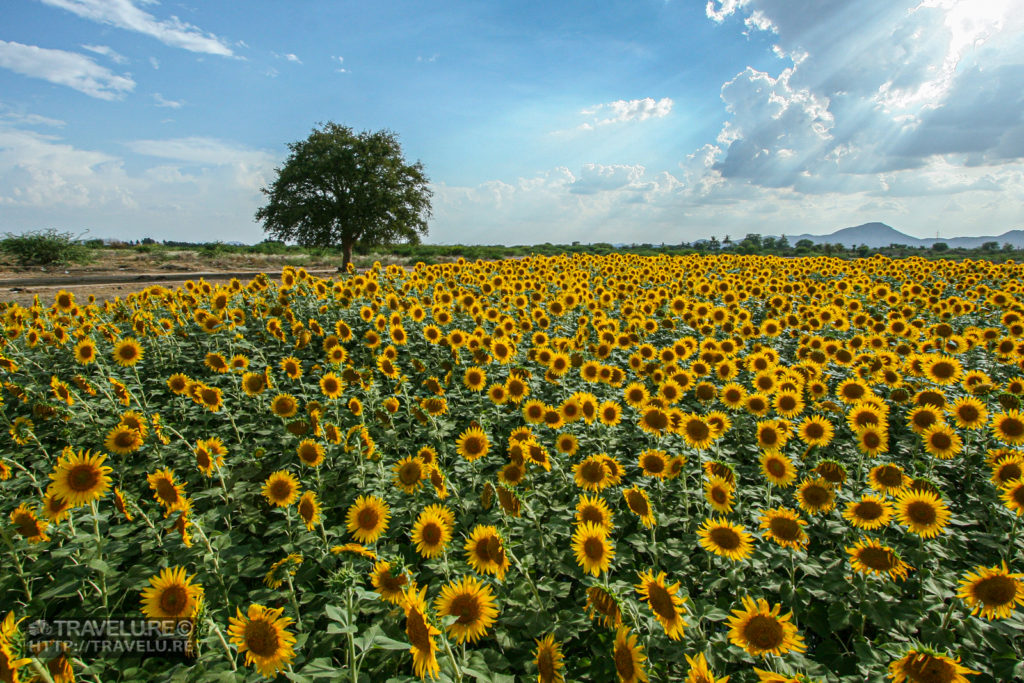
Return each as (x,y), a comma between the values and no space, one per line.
(353,662)
(451,657)
(224,643)
(99,554)
(949,613)
(295,601)
(1011,546)
(40,670)
(18,567)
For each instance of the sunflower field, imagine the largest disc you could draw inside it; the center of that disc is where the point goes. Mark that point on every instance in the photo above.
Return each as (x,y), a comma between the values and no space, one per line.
(670,468)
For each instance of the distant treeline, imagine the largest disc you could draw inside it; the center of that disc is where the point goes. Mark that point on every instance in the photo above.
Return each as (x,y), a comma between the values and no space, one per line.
(753,243)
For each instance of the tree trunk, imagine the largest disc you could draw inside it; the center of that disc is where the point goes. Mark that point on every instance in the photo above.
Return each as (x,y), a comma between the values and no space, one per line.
(346,249)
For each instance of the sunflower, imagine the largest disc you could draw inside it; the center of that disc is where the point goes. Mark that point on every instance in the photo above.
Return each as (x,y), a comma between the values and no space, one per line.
(354,549)
(873,440)
(654,463)
(591,474)
(420,633)
(472,444)
(517,389)
(760,630)
(852,390)
(924,416)
(719,494)
(609,413)
(284,405)
(56,508)
(923,512)
(943,370)
(309,510)
(870,512)
(409,473)
(512,474)
(663,601)
(655,421)
(696,432)
(367,518)
(993,591)
(594,510)
(485,552)
(123,440)
(889,479)
(127,352)
(921,664)
(869,556)
(167,491)
(640,505)
(603,605)
(593,551)
(1013,496)
(1009,427)
(785,527)
(474,379)
(432,531)
(816,495)
(209,455)
(389,585)
(700,672)
(635,394)
(31,528)
(969,413)
(567,444)
(210,398)
(473,603)
(331,385)
(720,537)
(216,362)
(548,659)
(629,657)
(941,441)
(777,469)
(80,478)
(262,634)
(281,488)
(172,595)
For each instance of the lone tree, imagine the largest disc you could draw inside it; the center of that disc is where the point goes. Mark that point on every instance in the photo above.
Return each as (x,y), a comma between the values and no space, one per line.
(341,188)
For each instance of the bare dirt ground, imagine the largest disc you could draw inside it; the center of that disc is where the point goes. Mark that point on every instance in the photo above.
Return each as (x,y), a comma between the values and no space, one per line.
(118,272)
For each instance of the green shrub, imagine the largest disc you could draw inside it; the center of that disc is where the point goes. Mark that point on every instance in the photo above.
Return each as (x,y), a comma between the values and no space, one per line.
(44,247)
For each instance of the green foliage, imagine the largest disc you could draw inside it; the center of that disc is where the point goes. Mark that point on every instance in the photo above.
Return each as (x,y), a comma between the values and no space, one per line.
(44,247)
(339,188)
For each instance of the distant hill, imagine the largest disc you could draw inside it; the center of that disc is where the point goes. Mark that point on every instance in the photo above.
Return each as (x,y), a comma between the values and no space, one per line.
(877,235)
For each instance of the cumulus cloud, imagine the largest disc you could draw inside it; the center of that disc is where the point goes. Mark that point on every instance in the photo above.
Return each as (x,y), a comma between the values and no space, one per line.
(126,14)
(622,111)
(64,68)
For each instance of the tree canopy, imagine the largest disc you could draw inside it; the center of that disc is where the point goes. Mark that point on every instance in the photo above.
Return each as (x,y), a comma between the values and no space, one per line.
(339,188)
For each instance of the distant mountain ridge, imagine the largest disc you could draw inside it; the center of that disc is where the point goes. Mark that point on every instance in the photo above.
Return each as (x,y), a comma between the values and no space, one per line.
(876,235)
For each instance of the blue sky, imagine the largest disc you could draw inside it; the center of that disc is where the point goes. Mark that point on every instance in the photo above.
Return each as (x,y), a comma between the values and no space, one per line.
(641,120)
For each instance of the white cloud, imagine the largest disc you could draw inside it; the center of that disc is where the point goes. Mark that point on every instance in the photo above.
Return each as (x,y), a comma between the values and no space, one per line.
(154,62)
(107,52)
(127,15)
(64,68)
(431,58)
(292,58)
(11,117)
(623,111)
(341,70)
(162,101)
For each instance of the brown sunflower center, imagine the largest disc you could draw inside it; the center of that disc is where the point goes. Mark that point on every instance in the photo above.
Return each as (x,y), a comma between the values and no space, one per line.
(390,583)
(764,632)
(868,510)
(367,519)
(814,430)
(638,503)
(921,512)
(928,669)
(467,608)
(661,601)
(816,495)
(1012,427)
(889,476)
(697,430)
(83,478)
(656,419)
(941,441)
(871,440)
(968,414)
(173,600)
(719,495)
(592,471)
(306,509)
(943,369)
(280,489)
(785,529)
(410,473)
(593,548)
(261,638)
(1010,471)
(431,534)
(725,538)
(474,445)
(545,664)
(167,491)
(879,559)
(996,590)
(624,662)
(416,630)
(27,525)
